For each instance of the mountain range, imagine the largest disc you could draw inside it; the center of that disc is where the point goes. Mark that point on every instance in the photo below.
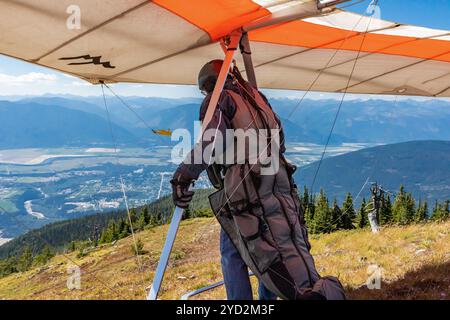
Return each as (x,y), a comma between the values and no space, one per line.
(31,125)
(61,121)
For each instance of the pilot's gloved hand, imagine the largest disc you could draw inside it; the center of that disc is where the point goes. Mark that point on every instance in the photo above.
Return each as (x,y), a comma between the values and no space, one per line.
(181,194)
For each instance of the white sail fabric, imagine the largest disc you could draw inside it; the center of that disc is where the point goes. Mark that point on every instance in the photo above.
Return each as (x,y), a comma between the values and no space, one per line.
(167,41)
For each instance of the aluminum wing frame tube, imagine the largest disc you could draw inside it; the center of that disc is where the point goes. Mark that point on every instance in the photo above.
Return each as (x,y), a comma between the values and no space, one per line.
(178,213)
(235,37)
(165,255)
(189,295)
(248,62)
(299,11)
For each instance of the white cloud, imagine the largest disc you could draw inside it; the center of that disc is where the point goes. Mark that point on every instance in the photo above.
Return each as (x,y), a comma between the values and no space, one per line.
(81,84)
(32,77)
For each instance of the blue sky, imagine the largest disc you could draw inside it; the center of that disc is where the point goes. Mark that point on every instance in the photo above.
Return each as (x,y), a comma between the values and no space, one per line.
(19,78)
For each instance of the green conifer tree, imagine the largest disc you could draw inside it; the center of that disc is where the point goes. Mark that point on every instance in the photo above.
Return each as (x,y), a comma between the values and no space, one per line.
(44,256)
(446,209)
(403,209)
(337,216)
(25,261)
(439,212)
(348,216)
(141,222)
(362,219)
(146,215)
(386,211)
(322,215)
(421,212)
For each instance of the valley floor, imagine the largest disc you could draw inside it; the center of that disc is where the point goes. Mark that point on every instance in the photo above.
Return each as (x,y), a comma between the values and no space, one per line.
(415,264)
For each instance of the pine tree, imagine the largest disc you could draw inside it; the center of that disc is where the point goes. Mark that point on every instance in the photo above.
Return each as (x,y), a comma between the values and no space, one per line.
(138,248)
(421,212)
(72,246)
(309,207)
(153,220)
(362,219)
(126,229)
(404,207)
(25,260)
(189,214)
(110,233)
(440,212)
(146,215)
(44,256)
(304,200)
(8,266)
(322,215)
(348,216)
(447,209)
(386,211)
(435,215)
(309,217)
(133,217)
(410,208)
(141,221)
(337,216)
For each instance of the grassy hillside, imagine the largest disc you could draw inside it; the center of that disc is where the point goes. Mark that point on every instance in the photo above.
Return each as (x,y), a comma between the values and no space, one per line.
(415,260)
(60,234)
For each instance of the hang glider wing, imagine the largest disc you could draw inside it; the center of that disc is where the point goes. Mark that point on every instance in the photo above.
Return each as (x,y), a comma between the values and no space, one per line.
(167,41)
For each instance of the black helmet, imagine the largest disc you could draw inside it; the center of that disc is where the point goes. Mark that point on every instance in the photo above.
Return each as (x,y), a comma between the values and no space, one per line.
(208,75)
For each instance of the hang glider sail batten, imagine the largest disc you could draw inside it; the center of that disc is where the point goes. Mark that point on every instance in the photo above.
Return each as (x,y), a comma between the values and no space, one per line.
(167,41)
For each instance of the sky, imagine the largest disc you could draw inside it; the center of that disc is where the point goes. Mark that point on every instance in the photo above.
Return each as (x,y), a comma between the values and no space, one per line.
(21,78)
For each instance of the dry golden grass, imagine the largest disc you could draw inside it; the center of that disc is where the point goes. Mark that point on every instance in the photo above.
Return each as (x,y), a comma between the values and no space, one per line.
(415,262)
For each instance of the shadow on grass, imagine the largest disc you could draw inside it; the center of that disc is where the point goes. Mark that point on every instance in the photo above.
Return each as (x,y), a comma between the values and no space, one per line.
(431,282)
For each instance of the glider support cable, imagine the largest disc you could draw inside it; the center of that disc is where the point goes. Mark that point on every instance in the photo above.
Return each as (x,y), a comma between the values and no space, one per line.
(122,184)
(310,87)
(128,106)
(340,106)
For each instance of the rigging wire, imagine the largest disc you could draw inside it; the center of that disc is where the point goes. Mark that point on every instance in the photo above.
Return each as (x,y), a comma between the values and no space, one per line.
(322,70)
(377,156)
(375,2)
(139,262)
(166,217)
(351,4)
(129,107)
(303,97)
(354,200)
